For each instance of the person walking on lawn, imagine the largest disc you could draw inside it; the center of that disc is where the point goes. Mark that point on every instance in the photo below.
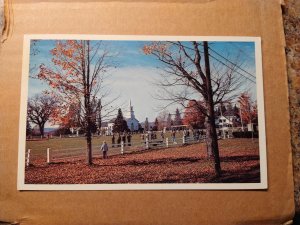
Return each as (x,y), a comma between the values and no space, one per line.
(104,149)
(129,139)
(174,136)
(119,140)
(124,138)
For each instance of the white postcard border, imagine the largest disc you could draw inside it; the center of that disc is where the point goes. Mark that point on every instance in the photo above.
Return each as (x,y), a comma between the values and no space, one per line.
(184,186)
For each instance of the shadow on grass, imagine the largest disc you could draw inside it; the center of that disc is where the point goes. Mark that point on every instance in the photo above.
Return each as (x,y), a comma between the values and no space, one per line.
(251,175)
(163,161)
(239,158)
(182,160)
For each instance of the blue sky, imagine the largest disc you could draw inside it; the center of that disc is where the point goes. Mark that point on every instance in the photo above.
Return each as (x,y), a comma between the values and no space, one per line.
(135,72)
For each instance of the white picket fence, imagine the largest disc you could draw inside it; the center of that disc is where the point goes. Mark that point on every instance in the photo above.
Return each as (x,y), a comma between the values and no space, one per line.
(54,155)
(27,157)
(31,156)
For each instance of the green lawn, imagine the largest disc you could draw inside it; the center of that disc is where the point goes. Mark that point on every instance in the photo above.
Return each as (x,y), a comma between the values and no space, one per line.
(39,147)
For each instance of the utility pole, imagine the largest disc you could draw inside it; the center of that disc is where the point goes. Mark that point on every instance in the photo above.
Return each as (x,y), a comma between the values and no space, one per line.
(211,118)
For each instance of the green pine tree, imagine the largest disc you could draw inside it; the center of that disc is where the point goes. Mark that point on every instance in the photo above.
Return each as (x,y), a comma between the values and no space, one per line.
(146,124)
(156,124)
(177,119)
(120,124)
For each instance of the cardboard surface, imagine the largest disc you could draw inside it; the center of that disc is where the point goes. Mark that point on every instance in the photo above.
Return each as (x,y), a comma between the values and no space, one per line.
(291,17)
(200,18)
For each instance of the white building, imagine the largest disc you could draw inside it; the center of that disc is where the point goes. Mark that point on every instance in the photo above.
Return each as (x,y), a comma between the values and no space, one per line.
(132,122)
(129,117)
(110,126)
(224,122)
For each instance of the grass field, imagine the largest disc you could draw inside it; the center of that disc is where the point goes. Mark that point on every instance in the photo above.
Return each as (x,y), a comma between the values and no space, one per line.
(39,147)
(184,164)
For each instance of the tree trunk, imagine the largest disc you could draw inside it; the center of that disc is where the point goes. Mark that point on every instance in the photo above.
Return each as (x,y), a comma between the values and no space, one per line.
(89,143)
(208,140)
(88,118)
(88,130)
(212,137)
(212,145)
(41,128)
(87,100)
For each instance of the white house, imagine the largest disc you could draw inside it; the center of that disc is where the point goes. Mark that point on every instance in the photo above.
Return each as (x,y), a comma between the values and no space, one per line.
(223,122)
(229,118)
(110,126)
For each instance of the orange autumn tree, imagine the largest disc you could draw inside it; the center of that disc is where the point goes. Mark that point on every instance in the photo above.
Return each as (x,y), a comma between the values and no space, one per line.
(248,109)
(193,116)
(70,118)
(76,77)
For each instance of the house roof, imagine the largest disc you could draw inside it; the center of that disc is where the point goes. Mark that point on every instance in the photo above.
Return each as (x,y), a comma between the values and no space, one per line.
(112,120)
(221,117)
(134,119)
(229,112)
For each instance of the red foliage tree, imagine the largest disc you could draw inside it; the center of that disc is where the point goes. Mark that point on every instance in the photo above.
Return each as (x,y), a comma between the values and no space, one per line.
(248,109)
(193,116)
(77,77)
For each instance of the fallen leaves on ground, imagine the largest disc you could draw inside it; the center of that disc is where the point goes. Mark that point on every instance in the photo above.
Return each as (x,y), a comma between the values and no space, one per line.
(186,164)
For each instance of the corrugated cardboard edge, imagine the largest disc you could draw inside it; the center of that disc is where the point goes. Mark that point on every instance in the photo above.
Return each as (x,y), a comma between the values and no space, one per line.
(2,17)
(291,20)
(6,19)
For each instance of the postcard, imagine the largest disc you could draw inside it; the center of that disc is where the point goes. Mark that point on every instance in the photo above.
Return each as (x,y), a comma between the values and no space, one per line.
(141,113)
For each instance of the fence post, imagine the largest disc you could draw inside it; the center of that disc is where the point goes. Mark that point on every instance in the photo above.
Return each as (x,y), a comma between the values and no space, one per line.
(48,156)
(122,147)
(147,143)
(28,157)
(183,139)
(167,142)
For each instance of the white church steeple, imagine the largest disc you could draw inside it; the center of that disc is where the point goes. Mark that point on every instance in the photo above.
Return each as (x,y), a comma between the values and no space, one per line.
(132,122)
(130,112)
(130,106)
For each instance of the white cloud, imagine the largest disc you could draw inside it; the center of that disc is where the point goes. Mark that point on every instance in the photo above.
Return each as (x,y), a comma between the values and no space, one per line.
(136,83)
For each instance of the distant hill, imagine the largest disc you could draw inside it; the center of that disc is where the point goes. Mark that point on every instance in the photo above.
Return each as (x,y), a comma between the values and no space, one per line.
(50,130)
(47,130)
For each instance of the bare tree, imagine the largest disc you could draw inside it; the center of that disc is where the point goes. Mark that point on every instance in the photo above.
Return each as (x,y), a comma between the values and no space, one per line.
(187,78)
(162,119)
(146,125)
(40,109)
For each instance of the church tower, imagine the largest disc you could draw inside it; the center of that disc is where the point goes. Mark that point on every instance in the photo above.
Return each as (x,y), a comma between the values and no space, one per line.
(130,112)
(132,122)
